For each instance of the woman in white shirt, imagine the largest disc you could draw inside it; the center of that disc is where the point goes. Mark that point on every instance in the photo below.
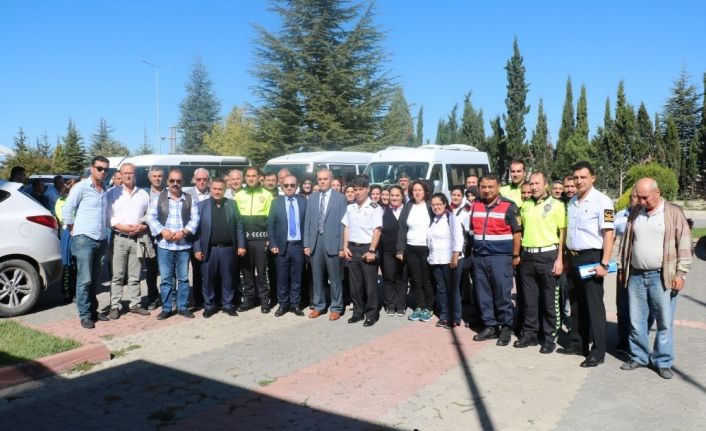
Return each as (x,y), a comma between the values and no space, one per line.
(445,243)
(412,248)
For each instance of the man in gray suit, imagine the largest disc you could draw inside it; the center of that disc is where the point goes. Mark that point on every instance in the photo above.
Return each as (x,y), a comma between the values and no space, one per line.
(323,243)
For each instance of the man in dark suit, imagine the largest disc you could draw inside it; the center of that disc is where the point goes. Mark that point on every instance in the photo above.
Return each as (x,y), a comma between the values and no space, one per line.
(323,242)
(284,231)
(219,235)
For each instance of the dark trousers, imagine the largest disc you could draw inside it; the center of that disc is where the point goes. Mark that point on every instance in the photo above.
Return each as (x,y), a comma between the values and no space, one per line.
(494,289)
(541,292)
(197,281)
(152,271)
(587,308)
(363,275)
(254,283)
(448,295)
(272,276)
(418,268)
(290,267)
(394,276)
(217,273)
(622,303)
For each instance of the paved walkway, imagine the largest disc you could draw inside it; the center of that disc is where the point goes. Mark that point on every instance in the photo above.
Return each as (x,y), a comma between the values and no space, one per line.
(261,372)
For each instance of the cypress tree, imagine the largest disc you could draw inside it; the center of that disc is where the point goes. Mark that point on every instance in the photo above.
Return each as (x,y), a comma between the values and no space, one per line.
(644,149)
(601,143)
(199,109)
(72,152)
(566,130)
(682,106)
(701,143)
(582,115)
(623,135)
(515,101)
(497,148)
(397,126)
(672,146)
(541,156)
(419,138)
(472,130)
(659,152)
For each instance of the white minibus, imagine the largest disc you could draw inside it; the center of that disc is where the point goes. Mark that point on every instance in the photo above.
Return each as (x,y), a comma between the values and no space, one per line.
(343,164)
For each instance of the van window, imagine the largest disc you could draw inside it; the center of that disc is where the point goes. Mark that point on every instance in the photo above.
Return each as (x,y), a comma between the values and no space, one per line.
(436,177)
(347,172)
(456,174)
(386,173)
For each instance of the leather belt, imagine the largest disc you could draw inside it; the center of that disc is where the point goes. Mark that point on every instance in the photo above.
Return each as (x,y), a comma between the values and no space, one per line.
(580,252)
(534,250)
(124,235)
(221,245)
(294,242)
(358,244)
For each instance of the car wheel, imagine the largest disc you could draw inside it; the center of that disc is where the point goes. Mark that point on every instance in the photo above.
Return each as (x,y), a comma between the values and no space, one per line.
(19,287)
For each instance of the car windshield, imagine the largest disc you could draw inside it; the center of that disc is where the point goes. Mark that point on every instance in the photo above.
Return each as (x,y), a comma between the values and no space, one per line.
(386,173)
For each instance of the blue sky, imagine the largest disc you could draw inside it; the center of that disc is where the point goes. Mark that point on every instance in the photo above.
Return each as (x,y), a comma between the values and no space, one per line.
(83,59)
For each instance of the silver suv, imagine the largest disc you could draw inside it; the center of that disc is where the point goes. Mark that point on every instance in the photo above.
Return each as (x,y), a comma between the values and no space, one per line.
(30,255)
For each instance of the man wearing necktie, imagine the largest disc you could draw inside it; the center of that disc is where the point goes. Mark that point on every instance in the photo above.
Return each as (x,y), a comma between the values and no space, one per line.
(323,242)
(284,233)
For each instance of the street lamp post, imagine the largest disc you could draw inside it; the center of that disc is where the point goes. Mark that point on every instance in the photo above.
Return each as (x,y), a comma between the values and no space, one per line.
(156,68)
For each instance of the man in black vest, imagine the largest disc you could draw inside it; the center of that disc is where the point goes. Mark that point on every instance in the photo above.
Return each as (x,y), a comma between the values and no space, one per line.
(220,234)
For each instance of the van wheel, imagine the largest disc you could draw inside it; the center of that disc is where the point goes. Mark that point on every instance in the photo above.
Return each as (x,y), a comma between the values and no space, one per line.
(19,287)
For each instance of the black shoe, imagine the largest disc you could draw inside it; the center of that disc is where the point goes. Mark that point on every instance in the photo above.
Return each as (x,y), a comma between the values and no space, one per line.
(101,318)
(369,322)
(230,311)
(245,307)
(265,309)
(154,304)
(571,350)
(139,310)
(444,324)
(591,362)
(298,311)
(281,311)
(186,313)
(547,348)
(631,365)
(523,342)
(88,323)
(165,315)
(485,334)
(208,312)
(665,373)
(504,337)
(355,319)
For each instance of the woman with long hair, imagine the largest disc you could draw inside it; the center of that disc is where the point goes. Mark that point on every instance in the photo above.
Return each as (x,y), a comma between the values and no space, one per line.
(414,222)
(306,188)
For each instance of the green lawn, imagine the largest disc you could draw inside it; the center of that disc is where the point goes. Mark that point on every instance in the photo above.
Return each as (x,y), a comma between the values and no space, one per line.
(20,344)
(698,232)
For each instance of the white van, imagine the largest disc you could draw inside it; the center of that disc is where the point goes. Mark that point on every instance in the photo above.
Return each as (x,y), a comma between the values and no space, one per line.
(444,166)
(343,164)
(217,166)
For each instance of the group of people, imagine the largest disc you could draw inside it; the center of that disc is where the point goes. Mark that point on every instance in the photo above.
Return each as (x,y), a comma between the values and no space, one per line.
(270,240)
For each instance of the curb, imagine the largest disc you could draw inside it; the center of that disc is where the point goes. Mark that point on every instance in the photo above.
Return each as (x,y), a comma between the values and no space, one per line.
(20,373)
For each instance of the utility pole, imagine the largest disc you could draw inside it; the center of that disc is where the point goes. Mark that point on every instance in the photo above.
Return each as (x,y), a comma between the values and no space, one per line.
(156,68)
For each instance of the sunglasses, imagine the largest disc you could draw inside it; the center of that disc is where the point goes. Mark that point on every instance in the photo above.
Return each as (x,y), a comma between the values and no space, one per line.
(289,186)
(100,168)
(201,179)
(174,181)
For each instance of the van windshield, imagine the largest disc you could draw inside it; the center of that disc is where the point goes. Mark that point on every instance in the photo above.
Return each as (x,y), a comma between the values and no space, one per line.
(301,171)
(386,173)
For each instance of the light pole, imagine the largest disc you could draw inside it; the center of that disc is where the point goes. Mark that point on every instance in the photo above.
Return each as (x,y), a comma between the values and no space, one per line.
(156,68)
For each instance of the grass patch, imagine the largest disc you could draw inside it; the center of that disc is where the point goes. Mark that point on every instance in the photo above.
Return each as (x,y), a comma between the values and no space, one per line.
(81,368)
(698,232)
(265,382)
(122,352)
(21,344)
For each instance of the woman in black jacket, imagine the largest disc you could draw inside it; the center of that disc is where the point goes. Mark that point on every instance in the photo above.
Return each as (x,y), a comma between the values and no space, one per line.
(394,271)
(414,221)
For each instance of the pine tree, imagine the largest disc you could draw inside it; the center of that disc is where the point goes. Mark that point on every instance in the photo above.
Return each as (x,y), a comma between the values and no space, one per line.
(72,152)
(199,110)
(644,149)
(43,145)
(26,156)
(397,127)
(497,148)
(472,129)
(146,147)
(672,147)
(419,138)
(103,143)
(659,152)
(541,155)
(515,101)
(321,79)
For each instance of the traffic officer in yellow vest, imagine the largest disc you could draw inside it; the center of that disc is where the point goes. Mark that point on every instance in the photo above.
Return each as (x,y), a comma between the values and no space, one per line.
(589,241)
(254,206)
(513,190)
(543,231)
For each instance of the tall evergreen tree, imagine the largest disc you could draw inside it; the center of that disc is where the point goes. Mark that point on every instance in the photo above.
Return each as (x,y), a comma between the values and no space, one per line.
(26,156)
(566,130)
(601,143)
(672,147)
(701,143)
(659,152)
(73,154)
(582,115)
(103,143)
(397,127)
(472,129)
(515,101)
(200,109)
(43,145)
(321,79)
(683,108)
(419,138)
(644,149)
(541,154)
(497,148)
(623,136)
(447,132)
(146,147)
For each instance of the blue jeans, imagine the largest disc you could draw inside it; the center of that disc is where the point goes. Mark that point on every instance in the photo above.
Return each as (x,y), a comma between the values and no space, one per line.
(174,263)
(448,294)
(647,294)
(89,254)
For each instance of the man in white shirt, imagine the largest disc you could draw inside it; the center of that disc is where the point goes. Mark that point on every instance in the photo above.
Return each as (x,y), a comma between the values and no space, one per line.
(127,206)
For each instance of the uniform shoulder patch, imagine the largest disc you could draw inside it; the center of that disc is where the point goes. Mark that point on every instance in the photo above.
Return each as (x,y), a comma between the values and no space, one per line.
(374,205)
(608,216)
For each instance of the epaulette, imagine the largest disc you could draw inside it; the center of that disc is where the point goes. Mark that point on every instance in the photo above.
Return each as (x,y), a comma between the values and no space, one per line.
(374,205)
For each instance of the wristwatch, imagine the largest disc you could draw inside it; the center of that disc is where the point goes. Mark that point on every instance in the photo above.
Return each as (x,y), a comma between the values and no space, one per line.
(371,251)
(682,276)
(604,265)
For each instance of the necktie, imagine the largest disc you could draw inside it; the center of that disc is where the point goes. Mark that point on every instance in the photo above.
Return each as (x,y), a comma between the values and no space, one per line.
(322,198)
(292,219)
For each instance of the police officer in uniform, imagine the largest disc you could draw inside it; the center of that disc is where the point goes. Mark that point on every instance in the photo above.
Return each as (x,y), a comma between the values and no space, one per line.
(361,234)
(543,232)
(589,241)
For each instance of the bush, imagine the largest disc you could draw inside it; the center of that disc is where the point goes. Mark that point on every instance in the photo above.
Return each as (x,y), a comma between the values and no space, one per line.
(665,177)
